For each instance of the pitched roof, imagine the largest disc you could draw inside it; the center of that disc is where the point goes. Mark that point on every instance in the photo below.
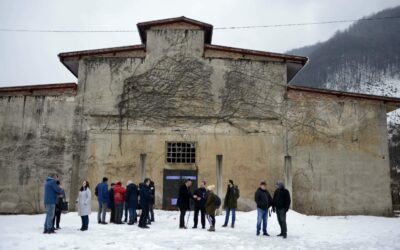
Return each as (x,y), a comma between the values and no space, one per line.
(208,28)
(44,89)
(393,103)
(71,59)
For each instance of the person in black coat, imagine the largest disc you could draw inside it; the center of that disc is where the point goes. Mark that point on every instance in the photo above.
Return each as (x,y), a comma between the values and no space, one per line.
(57,216)
(145,199)
(264,201)
(131,201)
(152,202)
(111,204)
(281,204)
(200,199)
(184,201)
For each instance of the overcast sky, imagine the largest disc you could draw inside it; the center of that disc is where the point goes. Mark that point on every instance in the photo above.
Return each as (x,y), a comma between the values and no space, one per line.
(31,58)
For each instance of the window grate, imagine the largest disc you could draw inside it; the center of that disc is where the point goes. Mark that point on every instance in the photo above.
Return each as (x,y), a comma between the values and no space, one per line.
(181,152)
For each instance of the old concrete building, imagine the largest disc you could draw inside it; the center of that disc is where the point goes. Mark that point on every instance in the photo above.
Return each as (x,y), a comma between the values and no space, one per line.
(178,106)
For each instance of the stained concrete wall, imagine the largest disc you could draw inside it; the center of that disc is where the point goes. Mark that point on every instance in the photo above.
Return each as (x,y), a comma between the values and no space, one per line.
(331,151)
(339,152)
(132,106)
(35,141)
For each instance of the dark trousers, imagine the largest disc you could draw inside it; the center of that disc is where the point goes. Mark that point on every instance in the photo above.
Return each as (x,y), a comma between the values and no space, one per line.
(151,212)
(56,219)
(281,214)
(144,216)
(119,209)
(182,218)
(202,211)
(126,211)
(211,220)
(112,216)
(132,214)
(85,222)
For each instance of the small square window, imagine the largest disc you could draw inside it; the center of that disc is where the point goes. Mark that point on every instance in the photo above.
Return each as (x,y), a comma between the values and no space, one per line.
(181,152)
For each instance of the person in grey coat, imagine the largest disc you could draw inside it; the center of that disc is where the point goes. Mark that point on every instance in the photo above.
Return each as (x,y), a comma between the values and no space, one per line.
(84,205)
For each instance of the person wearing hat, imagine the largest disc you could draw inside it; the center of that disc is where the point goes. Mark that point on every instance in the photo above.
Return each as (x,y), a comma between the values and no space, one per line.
(184,201)
(281,204)
(210,207)
(230,202)
(263,200)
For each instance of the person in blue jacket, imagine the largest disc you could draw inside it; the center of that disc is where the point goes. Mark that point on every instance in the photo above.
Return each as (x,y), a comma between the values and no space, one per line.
(101,192)
(145,199)
(51,191)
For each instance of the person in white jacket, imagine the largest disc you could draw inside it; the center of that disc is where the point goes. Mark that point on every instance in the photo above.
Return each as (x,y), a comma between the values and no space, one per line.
(84,205)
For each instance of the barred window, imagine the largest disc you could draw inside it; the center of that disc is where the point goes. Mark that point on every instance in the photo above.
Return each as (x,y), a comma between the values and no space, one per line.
(181,152)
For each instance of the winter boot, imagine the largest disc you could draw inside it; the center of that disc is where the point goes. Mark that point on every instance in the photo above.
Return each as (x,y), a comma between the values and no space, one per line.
(212,229)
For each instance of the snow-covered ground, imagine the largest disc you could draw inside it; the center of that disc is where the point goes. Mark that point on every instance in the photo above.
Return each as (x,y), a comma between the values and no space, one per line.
(304,232)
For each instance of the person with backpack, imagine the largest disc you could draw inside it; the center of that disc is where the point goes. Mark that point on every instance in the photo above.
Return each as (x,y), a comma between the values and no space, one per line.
(119,192)
(230,203)
(58,210)
(101,192)
(200,199)
(281,204)
(131,200)
(111,203)
(184,201)
(263,200)
(212,204)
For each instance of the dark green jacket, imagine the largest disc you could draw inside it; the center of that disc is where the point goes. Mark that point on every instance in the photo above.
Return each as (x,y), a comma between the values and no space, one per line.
(231,197)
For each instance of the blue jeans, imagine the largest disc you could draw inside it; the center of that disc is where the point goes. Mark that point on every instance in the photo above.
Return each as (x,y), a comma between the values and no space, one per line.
(228,211)
(262,215)
(132,214)
(50,210)
(101,214)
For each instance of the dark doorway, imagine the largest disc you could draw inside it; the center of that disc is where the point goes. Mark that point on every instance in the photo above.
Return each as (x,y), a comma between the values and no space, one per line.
(173,179)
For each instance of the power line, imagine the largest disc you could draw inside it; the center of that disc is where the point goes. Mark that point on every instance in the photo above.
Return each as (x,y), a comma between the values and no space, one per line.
(216,28)
(310,23)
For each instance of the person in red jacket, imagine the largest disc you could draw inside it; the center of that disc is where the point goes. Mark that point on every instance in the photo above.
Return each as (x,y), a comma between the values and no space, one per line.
(119,192)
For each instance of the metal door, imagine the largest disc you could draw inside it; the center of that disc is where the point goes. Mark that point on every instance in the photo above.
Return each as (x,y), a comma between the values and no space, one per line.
(173,179)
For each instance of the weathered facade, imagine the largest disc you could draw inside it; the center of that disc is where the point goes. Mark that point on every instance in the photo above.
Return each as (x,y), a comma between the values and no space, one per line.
(177,102)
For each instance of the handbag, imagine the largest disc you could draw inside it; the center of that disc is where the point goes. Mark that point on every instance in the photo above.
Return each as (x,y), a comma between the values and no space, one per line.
(64,207)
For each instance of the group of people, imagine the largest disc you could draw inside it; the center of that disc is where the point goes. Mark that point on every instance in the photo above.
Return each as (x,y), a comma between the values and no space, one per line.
(206,202)
(120,199)
(128,199)
(116,198)
(53,198)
